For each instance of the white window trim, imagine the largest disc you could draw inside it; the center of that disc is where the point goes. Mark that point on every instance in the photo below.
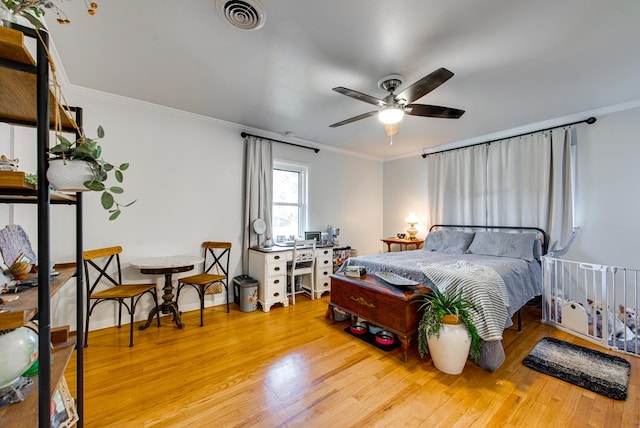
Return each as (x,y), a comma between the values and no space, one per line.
(303,191)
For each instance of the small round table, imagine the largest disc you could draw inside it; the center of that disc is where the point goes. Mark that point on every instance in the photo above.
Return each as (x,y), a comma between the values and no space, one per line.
(167,266)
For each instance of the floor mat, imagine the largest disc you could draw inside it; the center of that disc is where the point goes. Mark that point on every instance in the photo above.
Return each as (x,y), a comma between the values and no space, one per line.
(596,371)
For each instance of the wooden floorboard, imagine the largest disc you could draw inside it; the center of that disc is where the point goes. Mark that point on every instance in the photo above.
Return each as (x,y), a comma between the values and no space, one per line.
(291,367)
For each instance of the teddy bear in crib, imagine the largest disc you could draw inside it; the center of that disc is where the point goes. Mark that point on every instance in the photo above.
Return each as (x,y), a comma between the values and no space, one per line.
(621,331)
(629,317)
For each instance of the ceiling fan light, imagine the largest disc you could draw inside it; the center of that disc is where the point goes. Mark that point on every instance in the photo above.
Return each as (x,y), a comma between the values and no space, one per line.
(390,115)
(392,129)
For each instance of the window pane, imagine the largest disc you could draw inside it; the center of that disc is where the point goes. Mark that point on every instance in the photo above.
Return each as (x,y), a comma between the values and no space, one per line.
(285,222)
(285,186)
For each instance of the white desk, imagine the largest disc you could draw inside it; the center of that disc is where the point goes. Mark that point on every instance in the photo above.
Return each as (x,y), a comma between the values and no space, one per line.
(269,267)
(166,266)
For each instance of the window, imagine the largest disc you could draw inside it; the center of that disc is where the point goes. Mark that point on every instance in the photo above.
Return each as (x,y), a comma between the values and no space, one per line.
(289,201)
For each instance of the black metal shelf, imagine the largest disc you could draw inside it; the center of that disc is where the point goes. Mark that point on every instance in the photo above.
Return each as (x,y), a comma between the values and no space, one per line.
(24,83)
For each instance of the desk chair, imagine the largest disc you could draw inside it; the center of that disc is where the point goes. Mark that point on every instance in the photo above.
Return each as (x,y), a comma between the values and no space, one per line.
(302,263)
(98,263)
(216,258)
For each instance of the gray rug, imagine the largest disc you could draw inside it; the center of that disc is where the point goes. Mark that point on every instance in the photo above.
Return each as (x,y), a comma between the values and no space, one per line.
(596,371)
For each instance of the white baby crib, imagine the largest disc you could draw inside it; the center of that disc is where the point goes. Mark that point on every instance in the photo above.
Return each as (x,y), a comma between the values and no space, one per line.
(576,297)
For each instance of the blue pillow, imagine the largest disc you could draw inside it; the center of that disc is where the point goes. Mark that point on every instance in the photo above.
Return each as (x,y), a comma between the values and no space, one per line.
(448,241)
(504,244)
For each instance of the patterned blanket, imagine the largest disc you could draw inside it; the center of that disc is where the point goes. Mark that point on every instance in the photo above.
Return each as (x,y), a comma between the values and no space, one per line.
(482,286)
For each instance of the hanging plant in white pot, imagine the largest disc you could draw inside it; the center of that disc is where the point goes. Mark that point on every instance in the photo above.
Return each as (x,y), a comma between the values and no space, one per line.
(78,166)
(446,330)
(69,175)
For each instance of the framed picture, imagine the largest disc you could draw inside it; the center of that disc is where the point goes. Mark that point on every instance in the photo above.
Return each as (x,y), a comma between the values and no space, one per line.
(314,235)
(63,408)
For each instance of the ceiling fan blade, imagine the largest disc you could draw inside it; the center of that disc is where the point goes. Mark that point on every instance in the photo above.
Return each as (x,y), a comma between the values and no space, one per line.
(360,96)
(353,119)
(425,85)
(433,111)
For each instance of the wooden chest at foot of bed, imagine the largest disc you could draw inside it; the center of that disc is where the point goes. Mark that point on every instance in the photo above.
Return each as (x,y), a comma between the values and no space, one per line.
(380,303)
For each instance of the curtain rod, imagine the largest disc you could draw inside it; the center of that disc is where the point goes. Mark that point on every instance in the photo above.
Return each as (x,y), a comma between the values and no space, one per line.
(245,134)
(588,121)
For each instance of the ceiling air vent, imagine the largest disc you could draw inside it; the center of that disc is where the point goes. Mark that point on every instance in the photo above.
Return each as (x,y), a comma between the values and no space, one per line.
(242,14)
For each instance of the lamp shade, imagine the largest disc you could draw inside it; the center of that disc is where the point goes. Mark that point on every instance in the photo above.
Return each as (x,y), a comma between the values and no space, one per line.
(412,218)
(390,115)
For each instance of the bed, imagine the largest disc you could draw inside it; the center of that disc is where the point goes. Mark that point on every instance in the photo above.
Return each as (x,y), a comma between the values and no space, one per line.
(500,263)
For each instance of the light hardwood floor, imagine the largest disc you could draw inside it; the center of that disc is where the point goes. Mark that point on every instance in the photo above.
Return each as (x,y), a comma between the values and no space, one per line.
(291,367)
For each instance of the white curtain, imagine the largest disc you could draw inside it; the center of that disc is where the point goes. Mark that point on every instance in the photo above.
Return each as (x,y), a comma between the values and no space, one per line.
(457,185)
(523,181)
(518,177)
(561,227)
(258,192)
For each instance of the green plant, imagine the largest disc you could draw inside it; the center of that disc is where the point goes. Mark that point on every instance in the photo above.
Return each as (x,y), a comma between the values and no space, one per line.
(33,10)
(88,149)
(436,306)
(31,179)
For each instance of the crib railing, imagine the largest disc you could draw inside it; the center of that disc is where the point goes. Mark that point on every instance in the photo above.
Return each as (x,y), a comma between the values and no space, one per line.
(596,302)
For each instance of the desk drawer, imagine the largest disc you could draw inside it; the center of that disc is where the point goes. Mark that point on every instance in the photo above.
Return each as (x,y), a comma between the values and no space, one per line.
(276,269)
(325,262)
(274,290)
(323,284)
(323,278)
(324,252)
(282,256)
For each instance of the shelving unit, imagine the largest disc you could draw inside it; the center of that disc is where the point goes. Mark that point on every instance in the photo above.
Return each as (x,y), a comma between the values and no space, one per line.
(340,254)
(25,99)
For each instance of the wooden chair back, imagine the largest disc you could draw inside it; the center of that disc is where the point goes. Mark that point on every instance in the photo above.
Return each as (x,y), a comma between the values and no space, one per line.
(103,268)
(216,257)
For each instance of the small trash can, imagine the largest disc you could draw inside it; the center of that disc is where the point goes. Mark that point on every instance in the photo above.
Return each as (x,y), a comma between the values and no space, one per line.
(245,293)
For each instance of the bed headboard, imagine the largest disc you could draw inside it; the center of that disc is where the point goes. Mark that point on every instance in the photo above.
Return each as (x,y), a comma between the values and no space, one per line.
(542,235)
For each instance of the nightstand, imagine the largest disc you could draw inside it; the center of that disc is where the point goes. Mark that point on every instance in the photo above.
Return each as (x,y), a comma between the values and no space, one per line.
(402,242)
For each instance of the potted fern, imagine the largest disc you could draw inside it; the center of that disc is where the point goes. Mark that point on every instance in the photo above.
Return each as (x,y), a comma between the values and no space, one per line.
(446,330)
(77,166)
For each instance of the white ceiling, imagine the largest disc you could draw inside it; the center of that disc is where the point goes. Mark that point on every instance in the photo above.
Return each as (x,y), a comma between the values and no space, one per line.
(515,62)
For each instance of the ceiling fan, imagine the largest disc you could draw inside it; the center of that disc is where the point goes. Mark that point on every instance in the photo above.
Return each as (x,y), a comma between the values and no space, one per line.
(393,107)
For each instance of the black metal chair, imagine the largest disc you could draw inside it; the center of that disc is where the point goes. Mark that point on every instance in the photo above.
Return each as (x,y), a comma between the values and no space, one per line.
(98,262)
(216,259)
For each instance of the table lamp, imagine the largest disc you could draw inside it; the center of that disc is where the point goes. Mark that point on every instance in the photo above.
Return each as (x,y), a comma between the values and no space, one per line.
(411,220)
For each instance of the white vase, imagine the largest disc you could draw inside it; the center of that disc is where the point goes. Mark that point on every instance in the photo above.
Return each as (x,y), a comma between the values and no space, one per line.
(69,175)
(449,352)
(18,350)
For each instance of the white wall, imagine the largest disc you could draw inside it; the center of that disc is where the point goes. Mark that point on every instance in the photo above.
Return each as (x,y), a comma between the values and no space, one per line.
(608,204)
(186,175)
(608,197)
(405,191)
